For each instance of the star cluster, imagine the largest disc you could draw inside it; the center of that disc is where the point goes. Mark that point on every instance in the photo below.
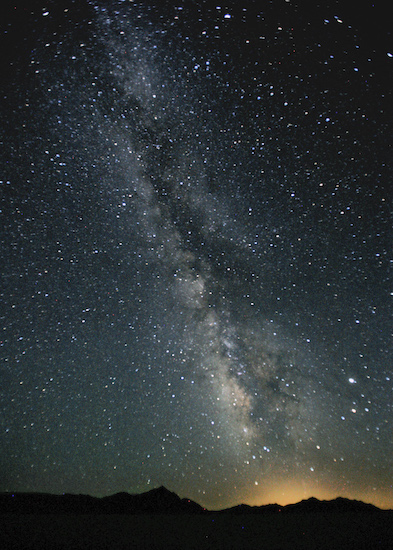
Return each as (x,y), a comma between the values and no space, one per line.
(196,250)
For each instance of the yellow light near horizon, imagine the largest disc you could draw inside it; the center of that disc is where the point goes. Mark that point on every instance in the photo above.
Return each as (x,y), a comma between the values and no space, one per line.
(294,491)
(286,492)
(282,494)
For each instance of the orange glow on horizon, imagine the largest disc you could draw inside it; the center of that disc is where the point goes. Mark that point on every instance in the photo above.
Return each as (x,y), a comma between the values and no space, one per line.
(294,492)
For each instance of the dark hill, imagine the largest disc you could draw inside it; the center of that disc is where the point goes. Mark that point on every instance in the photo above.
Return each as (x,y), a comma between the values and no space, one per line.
(323,506)
(246,509)
(309,506)
(161,519)
(159,500)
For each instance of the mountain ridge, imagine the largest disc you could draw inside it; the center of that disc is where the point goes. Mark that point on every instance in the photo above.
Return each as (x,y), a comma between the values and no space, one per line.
(162,500)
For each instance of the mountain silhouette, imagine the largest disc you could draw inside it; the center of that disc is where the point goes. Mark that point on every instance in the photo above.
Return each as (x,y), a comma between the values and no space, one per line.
(161,519)
(311,505)
(339,504)
(161,500)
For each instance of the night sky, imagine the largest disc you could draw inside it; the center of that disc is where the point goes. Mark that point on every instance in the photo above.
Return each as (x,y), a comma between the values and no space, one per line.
(196,249)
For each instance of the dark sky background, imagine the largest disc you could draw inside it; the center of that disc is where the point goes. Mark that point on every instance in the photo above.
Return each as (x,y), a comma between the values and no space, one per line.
(196,249)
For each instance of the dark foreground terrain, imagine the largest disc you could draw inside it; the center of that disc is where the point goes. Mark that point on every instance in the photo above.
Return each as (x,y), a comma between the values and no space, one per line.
(225,531)
(311,524)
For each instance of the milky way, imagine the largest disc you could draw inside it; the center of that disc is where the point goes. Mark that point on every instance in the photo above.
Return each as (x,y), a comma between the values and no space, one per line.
(196,251)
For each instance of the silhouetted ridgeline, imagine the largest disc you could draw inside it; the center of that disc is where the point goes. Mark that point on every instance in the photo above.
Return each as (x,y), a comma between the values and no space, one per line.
(155,501)
(160,500)
(312,505)
(160,519)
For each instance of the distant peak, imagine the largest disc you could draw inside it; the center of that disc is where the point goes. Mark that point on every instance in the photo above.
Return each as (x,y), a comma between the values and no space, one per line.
(162,490)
